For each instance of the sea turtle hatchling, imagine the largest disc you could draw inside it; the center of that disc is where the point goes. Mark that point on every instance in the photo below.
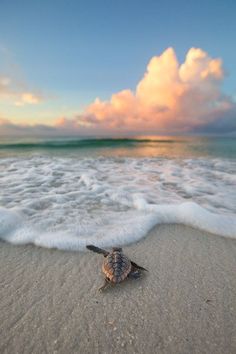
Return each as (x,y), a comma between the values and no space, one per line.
(116,266)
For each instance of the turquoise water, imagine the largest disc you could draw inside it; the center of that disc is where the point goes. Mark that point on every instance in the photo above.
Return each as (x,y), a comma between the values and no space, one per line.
(69,192)
(172,147)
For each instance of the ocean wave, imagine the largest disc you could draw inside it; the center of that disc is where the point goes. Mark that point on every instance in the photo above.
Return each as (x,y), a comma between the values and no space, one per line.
(129,227)
(82,143)
(67,203)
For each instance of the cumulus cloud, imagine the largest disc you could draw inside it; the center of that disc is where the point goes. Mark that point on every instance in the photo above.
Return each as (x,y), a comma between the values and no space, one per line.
(171,97)
(13,92)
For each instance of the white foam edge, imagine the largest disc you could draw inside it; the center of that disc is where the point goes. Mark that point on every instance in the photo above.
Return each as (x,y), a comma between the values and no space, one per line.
(13,230)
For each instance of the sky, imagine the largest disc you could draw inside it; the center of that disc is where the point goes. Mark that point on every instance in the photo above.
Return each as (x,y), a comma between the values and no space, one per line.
(117,67)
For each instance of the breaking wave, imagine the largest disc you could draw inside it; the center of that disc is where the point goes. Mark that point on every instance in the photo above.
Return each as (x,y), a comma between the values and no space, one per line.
(66,203)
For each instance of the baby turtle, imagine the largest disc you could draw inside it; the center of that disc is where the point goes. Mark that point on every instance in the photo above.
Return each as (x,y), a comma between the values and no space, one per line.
(116,266)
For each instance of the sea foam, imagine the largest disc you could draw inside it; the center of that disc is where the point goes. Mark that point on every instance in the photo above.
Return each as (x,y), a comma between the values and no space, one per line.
(67,203)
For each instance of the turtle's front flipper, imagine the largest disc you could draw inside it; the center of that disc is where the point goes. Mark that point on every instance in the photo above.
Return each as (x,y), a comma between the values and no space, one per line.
(138,266)
(97,250)
(105,285)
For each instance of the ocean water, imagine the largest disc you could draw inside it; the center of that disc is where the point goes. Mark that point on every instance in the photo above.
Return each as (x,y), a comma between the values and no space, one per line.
(69,192)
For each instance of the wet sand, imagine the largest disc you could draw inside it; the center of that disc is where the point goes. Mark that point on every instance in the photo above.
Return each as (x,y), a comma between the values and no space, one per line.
(49,302)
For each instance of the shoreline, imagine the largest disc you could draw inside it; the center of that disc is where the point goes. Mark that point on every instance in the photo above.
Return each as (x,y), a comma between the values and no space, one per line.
(185,304)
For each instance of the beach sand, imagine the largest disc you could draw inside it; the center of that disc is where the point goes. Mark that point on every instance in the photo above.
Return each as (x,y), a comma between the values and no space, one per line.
(185,304)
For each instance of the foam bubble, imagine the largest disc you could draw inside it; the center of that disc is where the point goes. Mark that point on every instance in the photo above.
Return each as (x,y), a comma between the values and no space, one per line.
(9,222)
(67,203)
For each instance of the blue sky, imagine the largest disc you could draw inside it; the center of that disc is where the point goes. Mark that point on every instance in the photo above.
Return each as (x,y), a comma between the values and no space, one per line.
(75,51)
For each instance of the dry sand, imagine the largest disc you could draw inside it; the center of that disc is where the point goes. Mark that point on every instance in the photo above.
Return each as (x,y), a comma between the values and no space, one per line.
(185,304)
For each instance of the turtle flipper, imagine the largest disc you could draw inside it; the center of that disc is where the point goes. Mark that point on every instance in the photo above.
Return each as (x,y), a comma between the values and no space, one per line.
(105,285)
(97,250)
(135,273)
(138,266)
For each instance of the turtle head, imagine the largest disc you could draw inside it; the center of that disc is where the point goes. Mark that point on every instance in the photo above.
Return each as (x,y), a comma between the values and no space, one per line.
(116,249)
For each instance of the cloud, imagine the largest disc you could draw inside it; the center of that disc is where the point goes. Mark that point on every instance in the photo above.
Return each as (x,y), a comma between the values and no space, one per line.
(13,88)
(13,92)
(8,128)
(28,98)
(171,97)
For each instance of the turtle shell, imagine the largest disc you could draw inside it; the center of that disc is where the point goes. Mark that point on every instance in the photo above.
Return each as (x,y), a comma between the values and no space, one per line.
(116,266)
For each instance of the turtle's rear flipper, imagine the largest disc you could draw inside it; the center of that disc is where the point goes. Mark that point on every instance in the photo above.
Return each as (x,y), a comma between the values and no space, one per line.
(105,285)
(138,266)
(97,250)
(134,274)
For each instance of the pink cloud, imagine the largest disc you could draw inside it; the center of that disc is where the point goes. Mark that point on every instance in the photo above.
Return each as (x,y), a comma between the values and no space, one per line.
(13,93)
(171,97)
